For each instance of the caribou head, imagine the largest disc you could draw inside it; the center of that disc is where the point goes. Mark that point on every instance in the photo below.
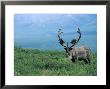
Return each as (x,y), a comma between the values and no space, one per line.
(73,52)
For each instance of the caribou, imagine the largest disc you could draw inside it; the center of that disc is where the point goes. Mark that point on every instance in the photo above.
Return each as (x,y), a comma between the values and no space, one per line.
(73,52)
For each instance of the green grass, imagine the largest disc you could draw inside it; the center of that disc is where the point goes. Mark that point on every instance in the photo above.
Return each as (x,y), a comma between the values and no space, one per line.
(33,62)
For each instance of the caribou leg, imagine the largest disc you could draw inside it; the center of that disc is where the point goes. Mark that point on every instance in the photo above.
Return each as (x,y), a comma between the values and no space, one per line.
(86,61)
(89,61)
(88,57)
(73,59)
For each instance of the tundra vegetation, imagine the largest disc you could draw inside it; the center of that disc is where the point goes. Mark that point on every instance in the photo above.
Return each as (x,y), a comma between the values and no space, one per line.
(34,62)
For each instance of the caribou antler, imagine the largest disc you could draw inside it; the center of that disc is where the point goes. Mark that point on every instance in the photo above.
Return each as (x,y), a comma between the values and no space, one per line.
(75,41)
(78,31)
(62,42)
(59,33)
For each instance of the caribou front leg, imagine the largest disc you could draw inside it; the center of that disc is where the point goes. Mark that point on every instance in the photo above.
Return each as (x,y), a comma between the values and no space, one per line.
(73,59)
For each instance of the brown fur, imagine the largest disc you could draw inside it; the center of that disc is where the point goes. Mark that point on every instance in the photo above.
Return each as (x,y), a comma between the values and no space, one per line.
(80,53)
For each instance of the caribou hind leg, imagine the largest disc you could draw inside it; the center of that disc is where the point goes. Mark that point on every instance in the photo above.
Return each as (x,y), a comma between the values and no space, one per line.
(88,58)
(86,61)
(89,61)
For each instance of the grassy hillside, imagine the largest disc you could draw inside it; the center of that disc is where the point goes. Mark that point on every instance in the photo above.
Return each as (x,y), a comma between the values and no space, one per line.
(33,62)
